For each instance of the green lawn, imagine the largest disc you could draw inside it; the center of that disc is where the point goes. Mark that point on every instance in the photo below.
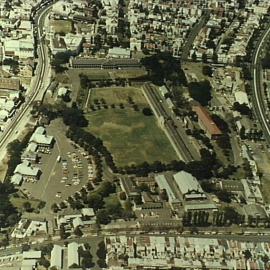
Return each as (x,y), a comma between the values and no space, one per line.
(131,137)
(116,95)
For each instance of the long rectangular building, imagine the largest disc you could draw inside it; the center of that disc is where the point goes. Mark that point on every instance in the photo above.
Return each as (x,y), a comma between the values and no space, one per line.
(206,122)
(104,63)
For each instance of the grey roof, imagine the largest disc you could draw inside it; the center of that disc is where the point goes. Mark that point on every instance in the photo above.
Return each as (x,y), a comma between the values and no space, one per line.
(163,184)
(25,168)
(255,210)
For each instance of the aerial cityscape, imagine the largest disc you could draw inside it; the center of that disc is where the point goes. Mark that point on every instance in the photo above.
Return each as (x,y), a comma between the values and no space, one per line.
(134,134)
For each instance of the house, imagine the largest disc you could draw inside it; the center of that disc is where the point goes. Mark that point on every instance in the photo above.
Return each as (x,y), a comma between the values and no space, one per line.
(206,122)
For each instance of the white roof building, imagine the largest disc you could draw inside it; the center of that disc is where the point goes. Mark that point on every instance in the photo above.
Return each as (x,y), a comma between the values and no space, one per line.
(39,137)
(57,257)
(73,256)
(28,264)
(189,186)
(32,254)
(16,179)
(118,52)
(25,169)
(241,97)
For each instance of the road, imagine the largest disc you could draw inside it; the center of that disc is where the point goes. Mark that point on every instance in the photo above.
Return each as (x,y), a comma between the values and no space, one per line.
(96,238)
(37,90)
(257,98)
(193,34)
(171,126)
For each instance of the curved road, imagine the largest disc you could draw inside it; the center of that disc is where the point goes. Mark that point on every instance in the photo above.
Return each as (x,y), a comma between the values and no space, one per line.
(22,116)
(258,99)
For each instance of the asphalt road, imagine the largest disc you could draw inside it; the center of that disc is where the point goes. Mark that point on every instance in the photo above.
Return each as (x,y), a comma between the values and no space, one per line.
(192,35)
(257,98)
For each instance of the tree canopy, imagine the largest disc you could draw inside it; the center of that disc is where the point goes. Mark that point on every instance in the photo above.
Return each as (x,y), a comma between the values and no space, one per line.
(163,66)
(200,91)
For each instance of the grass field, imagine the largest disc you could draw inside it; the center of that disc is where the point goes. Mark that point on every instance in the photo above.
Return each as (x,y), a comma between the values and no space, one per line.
(62,26)
(19,201)
(116,95)
(131,137)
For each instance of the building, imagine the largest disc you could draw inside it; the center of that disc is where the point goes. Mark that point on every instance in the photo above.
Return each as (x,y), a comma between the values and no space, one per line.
(163,184)
(118,52)
(189,186)
(27,171)
(103,63)
(41,138)
(206,122)
(9,84)
(73,255)
(27,228)
(129,187)
(57,257)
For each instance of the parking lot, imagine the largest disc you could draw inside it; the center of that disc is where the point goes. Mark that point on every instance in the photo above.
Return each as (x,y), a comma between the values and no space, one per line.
(66,168)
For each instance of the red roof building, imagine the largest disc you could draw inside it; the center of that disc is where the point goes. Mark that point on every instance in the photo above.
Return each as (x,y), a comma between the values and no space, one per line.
(206,122)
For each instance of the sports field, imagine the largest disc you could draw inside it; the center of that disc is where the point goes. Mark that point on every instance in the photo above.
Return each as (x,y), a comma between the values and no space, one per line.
(129,135)
(62,26)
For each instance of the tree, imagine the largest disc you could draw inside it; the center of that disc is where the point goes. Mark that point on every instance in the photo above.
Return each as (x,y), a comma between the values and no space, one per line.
(215,58)
(204,58)
(123,196)
(27,206)
(54,207)
(163,66)
(207,70)
(44,262)
(200,91)
(103,217)
(25,247)
(147,111)
(78,232)
(242,108)
(194,56)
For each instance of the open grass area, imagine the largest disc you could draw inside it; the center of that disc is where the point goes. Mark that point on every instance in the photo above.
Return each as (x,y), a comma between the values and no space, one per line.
(129,74)
(131,137)
(18,202)
(116,95)
(92,74)
(62,26)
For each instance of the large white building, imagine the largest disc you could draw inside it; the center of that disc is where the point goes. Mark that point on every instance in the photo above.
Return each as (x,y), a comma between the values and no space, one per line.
(22,48)
(189,186)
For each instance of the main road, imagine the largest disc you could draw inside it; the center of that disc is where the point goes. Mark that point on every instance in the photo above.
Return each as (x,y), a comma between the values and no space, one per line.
(257,98)
(36,90)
